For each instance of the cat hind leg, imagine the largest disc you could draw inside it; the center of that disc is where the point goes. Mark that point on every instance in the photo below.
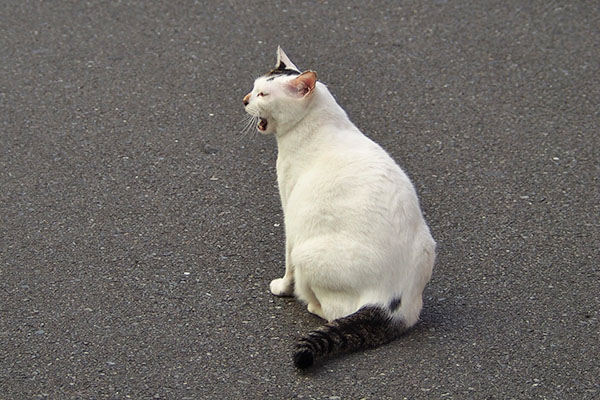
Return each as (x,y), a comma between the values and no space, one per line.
(315,308)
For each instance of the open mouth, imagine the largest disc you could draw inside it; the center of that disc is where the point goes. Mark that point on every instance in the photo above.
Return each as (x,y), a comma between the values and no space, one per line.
(262,125)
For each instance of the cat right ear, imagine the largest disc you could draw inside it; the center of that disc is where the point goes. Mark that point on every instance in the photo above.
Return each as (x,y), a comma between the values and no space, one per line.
(283,61)
(304,84)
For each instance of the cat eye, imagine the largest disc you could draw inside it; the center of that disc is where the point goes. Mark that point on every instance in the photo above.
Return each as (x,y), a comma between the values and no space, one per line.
(262,94)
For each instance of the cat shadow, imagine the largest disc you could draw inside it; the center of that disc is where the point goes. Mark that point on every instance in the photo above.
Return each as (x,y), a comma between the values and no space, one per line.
(436,316)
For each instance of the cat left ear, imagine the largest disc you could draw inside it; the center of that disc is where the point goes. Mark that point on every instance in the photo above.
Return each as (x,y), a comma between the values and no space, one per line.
(304,84)
(283,61)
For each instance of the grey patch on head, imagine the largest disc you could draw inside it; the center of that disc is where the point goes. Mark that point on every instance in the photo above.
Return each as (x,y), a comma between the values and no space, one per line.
(277,73)
(281,69)
(395,303)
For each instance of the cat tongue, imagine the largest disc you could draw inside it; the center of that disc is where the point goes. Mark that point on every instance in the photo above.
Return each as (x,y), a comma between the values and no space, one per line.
(262,125)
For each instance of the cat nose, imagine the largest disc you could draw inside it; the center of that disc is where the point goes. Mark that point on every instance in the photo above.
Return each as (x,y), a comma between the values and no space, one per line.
(246,99)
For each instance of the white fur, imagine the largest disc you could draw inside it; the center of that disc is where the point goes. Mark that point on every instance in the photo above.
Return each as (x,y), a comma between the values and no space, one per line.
(355,234)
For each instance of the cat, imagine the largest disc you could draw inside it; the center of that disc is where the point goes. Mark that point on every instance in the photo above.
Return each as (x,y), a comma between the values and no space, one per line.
(358,251)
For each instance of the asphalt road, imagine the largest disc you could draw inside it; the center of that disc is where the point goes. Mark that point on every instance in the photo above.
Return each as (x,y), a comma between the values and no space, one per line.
(139,230)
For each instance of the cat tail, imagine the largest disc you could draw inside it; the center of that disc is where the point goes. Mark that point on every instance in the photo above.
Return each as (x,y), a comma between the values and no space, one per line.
(369,327)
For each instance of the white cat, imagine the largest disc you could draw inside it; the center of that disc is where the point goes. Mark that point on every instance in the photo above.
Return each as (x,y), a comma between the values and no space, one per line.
(358,250)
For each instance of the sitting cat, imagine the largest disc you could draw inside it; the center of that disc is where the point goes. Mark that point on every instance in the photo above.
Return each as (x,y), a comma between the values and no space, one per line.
(358,250)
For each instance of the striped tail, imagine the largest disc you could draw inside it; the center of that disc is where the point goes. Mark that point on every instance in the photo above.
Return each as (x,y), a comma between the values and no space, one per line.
(369,327)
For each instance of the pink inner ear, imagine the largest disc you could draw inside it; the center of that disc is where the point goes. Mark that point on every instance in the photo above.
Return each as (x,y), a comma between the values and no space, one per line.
(303,89)
(305,83)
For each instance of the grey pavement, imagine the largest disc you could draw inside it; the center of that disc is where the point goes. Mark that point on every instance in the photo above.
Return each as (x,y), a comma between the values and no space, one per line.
(139,229)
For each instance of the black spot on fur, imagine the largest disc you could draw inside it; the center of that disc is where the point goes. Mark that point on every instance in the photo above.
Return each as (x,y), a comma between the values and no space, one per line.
(369,327)
(395,303)
(281,70)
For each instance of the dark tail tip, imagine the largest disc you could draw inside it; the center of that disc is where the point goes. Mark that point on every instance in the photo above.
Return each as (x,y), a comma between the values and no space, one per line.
(303,358)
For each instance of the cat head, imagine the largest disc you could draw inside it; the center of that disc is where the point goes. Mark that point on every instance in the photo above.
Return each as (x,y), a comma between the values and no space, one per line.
(280,98)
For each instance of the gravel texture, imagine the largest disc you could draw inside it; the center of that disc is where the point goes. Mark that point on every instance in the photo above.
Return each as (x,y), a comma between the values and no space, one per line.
(139,229)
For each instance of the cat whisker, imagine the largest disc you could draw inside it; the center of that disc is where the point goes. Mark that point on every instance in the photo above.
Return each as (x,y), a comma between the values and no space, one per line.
(249,122)
(245,118)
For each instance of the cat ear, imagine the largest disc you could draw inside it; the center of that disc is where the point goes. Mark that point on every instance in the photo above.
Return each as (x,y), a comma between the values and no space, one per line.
(304,84)
(283,61)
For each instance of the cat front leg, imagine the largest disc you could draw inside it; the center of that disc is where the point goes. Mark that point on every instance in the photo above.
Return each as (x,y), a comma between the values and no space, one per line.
(284,286)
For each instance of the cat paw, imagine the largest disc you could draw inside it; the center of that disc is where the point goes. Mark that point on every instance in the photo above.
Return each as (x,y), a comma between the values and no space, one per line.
(281,287)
